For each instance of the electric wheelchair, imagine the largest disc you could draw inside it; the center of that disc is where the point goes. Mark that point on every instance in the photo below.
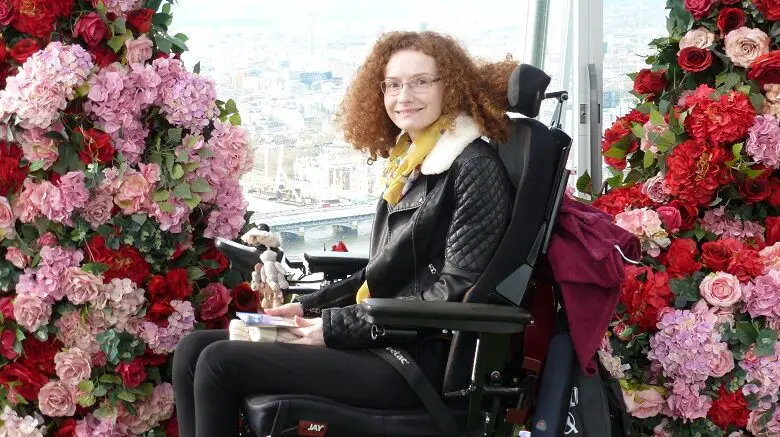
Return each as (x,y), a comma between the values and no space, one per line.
(501,332)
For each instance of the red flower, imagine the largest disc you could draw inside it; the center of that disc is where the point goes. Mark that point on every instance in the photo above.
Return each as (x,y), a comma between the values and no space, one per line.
(680,258)
(770,8)
(11,173)
(3,51)
(645,294)
(221,322)
(766,68)
(132,374)
(746,264)
(755,190)
(724,121)
(729,409)
(730,19)
(774,188)
(151,359)
(97,146)
(7,340)
(694,59)
(67,429)
(61,8)
(6,71)
(650,82)
(244,298)
(126,262)
(91,29)
(688,213)
(696,171)
(717,254)
(32,380)
(8,11)
(171,427)
(178,283)
(140,20)
(618,200)
(215,302)
(158,313)
(212,254)
(39,355)
(102,55)
(618,132)
(7,308)
(699,8)
(772,225)
(35,17)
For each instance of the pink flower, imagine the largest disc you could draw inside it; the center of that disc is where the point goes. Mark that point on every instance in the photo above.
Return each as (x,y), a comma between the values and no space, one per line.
(763,143)
(699,8)
(73,365)
(700,37)
(57,399)
(31,312)
(24,207)
(138,50)
(75,332)
(687,402)
(745,44)
(645,224)
(37,147)
(134,193)
(656,189)
(643,403)
(98,210)
(47,239)
(771,257)
(652,136)
(15,256)
(660,430)
(216,301)
(720,289)
(7,219)
(80,286)
(73,191)
(671,218)
(762,295)
(724,364)
(51,202)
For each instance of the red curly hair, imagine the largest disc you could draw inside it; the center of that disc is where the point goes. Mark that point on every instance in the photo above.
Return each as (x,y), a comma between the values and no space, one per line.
(470,86)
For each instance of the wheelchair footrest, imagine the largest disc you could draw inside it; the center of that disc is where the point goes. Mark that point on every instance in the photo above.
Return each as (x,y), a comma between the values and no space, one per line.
(299,415)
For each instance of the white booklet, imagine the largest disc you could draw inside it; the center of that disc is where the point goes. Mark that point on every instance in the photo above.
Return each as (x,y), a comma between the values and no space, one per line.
(265,320)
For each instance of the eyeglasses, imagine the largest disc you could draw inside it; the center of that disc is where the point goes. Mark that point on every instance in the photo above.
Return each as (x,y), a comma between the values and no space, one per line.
(419,85)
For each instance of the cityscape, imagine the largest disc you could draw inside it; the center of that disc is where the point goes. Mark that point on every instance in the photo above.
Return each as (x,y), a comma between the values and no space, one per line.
(287,65)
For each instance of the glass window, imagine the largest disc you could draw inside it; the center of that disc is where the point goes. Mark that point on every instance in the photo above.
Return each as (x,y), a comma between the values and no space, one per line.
(287,64)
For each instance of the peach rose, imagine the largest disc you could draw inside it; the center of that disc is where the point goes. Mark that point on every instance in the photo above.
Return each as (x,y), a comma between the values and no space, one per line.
(772,100)
(73,366)
(643,403)
(720,289)
(771,257)
(57,399)
(700,37)
(133,193)
(15,256)
(31,311)
(138,50)
(80,286)
(744,45)
(7,219)
(724,365)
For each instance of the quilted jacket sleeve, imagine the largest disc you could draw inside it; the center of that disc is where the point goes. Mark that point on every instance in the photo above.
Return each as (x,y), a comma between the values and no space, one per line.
(334,295)
(482,208)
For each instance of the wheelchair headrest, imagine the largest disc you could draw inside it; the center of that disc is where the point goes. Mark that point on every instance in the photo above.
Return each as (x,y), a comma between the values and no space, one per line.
(526,90)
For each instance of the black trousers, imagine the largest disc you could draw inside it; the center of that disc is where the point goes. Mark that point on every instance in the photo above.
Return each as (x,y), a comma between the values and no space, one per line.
(211,375)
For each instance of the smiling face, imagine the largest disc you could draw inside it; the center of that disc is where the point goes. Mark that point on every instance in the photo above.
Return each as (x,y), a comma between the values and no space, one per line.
(414,93)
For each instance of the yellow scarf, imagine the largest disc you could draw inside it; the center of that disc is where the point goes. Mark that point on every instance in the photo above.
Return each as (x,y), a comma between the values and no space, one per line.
(400,166)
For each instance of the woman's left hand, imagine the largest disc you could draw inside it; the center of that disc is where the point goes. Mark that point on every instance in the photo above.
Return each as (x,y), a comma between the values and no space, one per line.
(309,331)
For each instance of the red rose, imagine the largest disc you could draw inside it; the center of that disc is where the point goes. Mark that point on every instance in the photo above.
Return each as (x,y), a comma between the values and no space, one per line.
(102,55)
(772,225)
(178,284)
(645,294)
(7,308)
(774,188)
(140,20)
(97,146)
(717,254)
(7,340)
(32,380)
(11,174)
(92,29)
(688,213)
(152,359)
(23,49)
(729,409)
(699,8)
(67,429)
(99,359)
(6,71)
(212,254)
(127,262)
(39,355)
(158,313)
(221,322)
(62,8)
(132,374)
(730,19)
(746,264)
(680,258)
(650,82)
(215,302)
(755,190)
(766,68)
(245,299)
(770,8)
(171,427)
(696,171)
(694,59)
(3,51)
(8,11)
(36,18)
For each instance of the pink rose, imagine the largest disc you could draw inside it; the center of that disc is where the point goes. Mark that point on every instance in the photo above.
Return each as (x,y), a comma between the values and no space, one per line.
(216,301)
(656,189)
(671,218)
(7,219)
(720,289)
(138,50)
(724,365)
(80,286)
(15,256)
(744,45)
(771,257)
(7,307)
(91,28)
(133,193)
(47,239)
(699,8)
(37,147)
(73,365)
(57,399)
(98,210)
(643,403)
(31,312)
(132,374)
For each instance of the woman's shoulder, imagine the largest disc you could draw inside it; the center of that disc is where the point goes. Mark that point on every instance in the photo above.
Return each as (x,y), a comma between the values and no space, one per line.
(478,149)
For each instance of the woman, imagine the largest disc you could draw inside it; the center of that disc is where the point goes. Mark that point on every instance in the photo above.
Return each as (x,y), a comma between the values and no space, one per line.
(422,102)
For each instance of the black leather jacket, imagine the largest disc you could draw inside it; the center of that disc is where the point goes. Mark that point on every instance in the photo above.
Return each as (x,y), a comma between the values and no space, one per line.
(432,245)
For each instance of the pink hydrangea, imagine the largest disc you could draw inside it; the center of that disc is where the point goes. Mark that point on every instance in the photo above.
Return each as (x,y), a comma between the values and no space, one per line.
(180,323)
(171,221)
(647,225)
(124,300)
(762,295)
(37,147)
(91,426)
(73,190)
(686,401)
(72,331)
(716,221)
(15,426)
(190,102)
(227,221)
(230,145)
(119,7)
(763,143)
(763,375)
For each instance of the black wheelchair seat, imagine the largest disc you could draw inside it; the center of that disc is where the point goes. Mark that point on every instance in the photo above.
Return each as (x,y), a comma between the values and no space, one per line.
(316,416)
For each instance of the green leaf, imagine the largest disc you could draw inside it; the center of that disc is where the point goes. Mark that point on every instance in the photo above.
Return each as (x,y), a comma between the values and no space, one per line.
(116,43)
(178,171)
(126,396)
(196,68)
(178,43)
(86,400)
(174,135)
(758,101)
(163,44)
(86,386)
(765,343)
(169,162)
(195,273)
(736,149)
(656,118)
(746,333)
(699,233)
(193,201)
(160,195)
(230,106)
(615,152)
(139,218)
(162,19)
(36,165)
(754,173)
(100,390)
(110,379)
(166,8)
(235,119)
(648,159)
(200,185)
(166,207)
(95,268)
(584,183)
(182,191)
(638,130)
(119,26)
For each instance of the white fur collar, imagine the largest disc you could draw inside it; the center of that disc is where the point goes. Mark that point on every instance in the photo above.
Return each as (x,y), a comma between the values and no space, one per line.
(450,145)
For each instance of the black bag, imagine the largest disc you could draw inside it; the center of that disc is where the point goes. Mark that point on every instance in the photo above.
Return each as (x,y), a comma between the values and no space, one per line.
(596,407)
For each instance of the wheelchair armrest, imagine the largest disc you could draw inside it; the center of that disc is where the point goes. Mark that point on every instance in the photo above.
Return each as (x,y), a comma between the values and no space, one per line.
(242,258)
(335,265)
(473,317)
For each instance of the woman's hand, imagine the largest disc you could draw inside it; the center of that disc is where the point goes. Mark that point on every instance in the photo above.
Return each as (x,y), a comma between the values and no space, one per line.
(309,331)
(287,310)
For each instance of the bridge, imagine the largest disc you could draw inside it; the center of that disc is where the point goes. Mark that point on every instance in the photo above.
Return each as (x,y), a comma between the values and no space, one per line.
(314,216)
